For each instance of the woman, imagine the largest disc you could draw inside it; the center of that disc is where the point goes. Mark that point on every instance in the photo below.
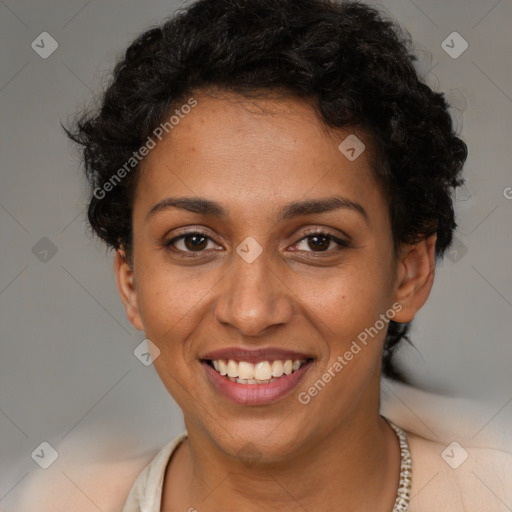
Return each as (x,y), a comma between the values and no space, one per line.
(276,183)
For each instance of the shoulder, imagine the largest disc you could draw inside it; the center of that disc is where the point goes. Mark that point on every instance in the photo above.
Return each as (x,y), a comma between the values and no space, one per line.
(456,476)
(76,486)
(461,450)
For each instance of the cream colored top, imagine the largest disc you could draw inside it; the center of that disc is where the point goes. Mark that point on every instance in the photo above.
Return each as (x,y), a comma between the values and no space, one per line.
(146,493)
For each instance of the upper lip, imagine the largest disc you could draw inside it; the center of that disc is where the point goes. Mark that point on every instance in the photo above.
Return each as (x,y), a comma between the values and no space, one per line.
(255,355)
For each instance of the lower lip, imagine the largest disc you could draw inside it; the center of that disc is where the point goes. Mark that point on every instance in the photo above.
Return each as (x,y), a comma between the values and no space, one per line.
(256,394)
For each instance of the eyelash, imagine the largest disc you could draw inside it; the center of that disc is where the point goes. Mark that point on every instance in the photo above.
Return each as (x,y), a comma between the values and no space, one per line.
(195,254)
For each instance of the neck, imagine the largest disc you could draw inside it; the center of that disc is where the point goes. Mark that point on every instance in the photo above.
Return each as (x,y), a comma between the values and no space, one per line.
(357,464)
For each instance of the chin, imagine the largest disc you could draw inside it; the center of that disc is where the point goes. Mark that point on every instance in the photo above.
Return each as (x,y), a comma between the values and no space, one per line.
(257,443)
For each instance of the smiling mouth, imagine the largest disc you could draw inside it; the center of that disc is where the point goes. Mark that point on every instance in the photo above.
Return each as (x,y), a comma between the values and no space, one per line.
(261,372)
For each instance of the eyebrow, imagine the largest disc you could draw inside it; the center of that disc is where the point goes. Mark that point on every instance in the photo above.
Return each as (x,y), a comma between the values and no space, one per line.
(295,209)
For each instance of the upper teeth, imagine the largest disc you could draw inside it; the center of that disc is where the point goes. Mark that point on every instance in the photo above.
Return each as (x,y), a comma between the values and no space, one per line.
(261,371)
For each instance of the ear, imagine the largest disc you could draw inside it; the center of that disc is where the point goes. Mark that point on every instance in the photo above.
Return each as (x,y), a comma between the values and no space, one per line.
(127,290)
(415,277)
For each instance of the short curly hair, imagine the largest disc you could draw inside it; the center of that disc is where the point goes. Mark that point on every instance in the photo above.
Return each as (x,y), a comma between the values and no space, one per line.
(352,62)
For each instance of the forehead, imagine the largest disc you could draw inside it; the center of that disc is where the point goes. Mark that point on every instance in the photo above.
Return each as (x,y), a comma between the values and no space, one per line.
(268,150)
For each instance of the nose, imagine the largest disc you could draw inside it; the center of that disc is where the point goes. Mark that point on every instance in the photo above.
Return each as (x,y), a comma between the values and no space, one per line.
(253,297)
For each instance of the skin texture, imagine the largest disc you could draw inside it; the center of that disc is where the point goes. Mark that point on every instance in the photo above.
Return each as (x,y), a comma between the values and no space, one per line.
(253,157)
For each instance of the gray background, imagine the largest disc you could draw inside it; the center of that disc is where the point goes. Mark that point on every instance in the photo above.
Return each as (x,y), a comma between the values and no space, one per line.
(67,364)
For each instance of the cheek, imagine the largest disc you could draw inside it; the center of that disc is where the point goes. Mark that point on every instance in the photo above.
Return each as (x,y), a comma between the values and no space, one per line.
(350,299)
(348,310)
(167,296)
(170,304)
(348,315)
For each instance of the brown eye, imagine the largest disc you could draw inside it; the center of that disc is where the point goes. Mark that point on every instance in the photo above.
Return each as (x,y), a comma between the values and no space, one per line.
(195,242)
(319,242)
(190,242)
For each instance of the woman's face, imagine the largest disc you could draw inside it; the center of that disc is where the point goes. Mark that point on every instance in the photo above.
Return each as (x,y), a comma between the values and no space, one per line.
(251,182)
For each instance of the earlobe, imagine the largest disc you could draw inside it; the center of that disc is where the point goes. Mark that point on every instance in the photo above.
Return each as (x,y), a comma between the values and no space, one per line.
(415,277)
(127,289)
